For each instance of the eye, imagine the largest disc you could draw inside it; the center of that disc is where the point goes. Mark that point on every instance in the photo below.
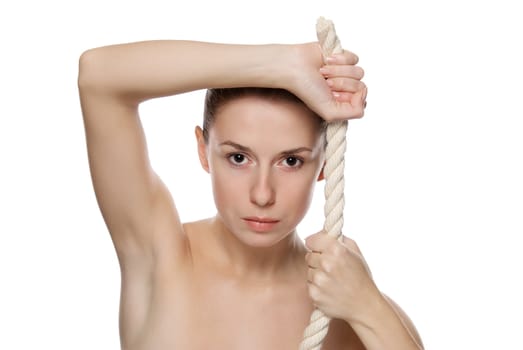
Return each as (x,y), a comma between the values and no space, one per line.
(237,159)
(292,162)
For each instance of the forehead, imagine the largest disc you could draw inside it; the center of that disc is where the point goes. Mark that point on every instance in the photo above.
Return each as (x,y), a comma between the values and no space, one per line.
(256,120)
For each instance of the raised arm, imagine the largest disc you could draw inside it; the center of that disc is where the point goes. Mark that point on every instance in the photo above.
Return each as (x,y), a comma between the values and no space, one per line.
(136,206)
(113,81)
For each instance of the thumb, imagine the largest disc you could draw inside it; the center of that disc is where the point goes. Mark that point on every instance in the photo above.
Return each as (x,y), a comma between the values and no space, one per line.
(318,241)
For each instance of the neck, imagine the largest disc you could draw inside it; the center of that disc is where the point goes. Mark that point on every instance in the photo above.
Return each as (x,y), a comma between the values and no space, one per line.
(285,258)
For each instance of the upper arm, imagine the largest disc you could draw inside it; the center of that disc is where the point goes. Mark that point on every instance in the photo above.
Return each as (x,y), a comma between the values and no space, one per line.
(407,322)
(135,204)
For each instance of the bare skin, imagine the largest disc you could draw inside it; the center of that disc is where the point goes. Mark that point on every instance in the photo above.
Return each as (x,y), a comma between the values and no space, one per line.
(208,304)
(222,283)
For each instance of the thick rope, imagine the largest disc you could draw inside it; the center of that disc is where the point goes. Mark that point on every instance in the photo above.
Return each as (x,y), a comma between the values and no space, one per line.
(334,184)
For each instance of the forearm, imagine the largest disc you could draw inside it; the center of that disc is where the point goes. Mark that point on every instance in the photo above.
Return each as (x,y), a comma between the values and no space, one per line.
(384,327)
(143,70)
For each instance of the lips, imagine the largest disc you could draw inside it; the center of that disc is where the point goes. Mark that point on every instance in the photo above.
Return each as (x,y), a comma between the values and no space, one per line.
(257,219)
(261,224)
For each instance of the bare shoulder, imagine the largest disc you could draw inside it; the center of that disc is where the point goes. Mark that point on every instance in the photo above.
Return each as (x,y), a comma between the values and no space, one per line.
(405,319)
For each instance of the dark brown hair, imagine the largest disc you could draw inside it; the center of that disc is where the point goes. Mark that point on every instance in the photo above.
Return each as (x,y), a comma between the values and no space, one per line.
(216,98)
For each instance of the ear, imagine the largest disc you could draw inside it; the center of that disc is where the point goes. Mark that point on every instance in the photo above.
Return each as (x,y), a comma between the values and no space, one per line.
(202,148)
(321,176)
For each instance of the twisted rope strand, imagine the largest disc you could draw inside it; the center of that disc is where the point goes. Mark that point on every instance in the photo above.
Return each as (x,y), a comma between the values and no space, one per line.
(318,327)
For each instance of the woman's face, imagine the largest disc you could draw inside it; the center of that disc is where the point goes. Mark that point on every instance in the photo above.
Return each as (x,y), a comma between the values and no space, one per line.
(264,158)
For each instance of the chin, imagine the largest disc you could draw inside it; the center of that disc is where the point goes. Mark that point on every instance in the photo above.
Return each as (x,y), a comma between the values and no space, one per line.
(261,240)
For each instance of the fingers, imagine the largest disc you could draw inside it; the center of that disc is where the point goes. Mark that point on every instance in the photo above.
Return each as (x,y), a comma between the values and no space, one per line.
(325,248)
(342,84)
(317,277)
(318,242)
(344,80)
(313,260)
(346,57)
(319,268)
(348,71)
(321,241)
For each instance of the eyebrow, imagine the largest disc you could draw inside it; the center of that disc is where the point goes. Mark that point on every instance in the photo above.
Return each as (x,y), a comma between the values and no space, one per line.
(237,146)
(248,150)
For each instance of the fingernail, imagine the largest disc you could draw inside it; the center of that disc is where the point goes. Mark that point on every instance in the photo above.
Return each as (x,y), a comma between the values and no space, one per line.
(330,59)
(330,83)
(324,70)
(336,94)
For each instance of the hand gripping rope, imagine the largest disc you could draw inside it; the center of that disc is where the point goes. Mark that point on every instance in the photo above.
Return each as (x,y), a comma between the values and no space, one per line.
(334,184)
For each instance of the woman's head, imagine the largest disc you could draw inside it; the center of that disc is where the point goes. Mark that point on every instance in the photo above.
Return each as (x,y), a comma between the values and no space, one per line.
(264,150)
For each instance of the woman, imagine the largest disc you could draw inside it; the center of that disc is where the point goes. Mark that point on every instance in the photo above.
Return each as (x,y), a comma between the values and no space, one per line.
(242,279)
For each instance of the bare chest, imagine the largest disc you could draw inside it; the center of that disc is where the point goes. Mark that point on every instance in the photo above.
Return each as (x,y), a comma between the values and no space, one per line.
(232,316)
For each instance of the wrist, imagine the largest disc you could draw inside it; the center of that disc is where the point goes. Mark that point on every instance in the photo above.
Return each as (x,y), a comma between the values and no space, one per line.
(380,326)
(373,307)
(299,60)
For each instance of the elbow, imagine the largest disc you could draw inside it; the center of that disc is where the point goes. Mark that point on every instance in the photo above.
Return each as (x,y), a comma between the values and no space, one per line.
(90,71)
(83,68)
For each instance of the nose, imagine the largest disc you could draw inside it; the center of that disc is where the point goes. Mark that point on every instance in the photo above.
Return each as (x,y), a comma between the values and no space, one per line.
(262,190)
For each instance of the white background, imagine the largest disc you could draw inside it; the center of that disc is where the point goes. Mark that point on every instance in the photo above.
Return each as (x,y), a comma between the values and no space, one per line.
(433,179)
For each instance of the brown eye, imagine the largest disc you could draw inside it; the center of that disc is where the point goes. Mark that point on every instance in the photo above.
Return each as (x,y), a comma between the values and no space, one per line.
(237,159)
(292,162)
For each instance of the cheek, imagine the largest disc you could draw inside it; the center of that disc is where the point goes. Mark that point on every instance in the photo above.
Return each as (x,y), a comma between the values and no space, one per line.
(297,192)
(227,187)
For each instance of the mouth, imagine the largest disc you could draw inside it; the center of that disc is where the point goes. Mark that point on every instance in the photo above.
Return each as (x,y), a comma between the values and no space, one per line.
(258,219)
(258,224)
